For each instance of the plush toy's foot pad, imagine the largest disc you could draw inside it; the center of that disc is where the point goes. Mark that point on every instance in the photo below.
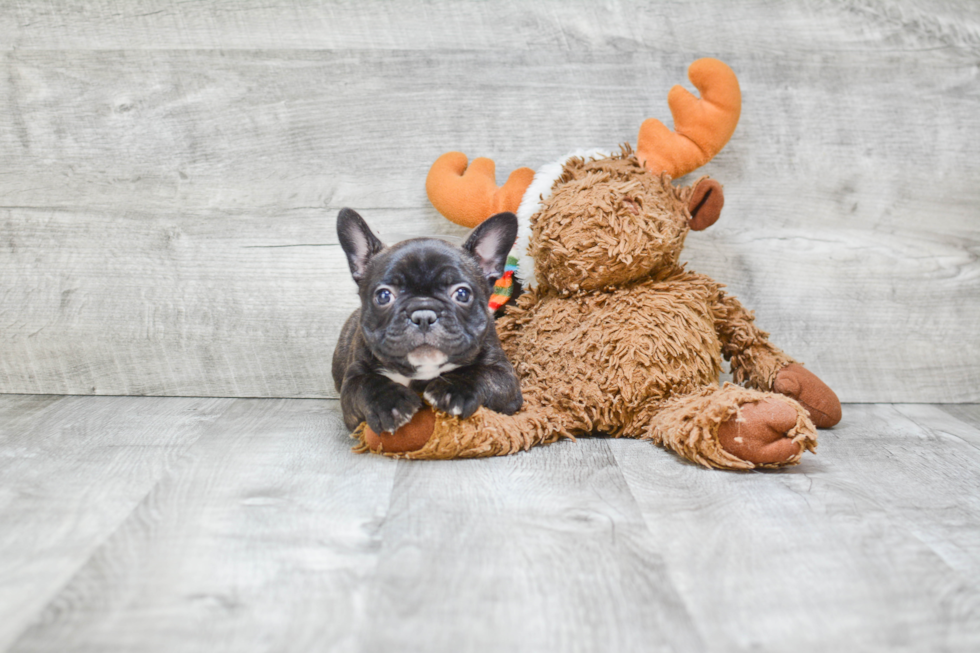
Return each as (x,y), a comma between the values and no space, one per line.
(758,433)
(410,437)
(813,394)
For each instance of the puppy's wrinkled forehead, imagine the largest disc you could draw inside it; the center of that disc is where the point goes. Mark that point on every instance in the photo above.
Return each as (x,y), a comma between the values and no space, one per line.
(424,263)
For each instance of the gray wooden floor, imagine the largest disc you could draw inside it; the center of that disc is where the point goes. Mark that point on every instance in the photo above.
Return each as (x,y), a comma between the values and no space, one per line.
(186,524)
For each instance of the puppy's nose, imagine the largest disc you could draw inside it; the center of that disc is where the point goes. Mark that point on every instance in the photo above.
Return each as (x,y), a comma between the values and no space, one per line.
(423,319)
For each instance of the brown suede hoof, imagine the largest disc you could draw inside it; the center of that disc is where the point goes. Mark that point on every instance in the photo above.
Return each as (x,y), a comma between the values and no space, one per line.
(813,394)
(758,435)
(410,437)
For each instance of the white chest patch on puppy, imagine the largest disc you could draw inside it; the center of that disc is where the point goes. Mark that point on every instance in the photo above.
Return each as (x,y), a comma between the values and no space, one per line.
(400,379)
(428,362)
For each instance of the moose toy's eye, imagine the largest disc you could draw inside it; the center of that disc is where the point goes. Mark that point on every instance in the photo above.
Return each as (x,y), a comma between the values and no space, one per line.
(462,295)
(383,296)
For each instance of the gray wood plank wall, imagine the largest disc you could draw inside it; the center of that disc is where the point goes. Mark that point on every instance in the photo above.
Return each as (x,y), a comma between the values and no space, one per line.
(170,173)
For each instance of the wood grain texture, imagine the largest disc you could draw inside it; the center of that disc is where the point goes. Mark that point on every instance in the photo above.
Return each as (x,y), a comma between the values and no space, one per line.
(226,305)
(969,414)
(870,545)
(72,470)
(153,152)
(510,24)
(259,539)
(543,552)
(248,525)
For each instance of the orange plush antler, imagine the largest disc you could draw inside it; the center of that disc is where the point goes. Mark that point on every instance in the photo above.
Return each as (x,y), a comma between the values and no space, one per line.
(469,195)
(701,126)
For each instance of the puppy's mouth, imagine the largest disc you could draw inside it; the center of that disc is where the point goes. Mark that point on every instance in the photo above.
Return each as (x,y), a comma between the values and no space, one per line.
(414,349)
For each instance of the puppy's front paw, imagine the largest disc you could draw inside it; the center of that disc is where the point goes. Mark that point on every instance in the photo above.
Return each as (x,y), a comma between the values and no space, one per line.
(456,396)
(393,409)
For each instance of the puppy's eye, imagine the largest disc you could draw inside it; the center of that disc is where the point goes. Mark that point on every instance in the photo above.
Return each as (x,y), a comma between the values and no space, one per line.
(462,295)
(382,296)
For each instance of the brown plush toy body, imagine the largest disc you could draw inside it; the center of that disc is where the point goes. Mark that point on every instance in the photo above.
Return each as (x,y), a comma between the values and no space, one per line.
(613,335)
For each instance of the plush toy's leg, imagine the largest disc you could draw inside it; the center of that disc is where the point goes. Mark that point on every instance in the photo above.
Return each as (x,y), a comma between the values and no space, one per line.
(757,363)
(729,427)
(485,433)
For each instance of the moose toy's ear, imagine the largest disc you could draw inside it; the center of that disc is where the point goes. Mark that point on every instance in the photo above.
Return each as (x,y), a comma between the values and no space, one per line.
(491,242)
(705,204)
(357,241)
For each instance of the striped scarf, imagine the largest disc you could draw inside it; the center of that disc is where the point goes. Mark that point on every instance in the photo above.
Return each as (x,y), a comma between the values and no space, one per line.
(505,285)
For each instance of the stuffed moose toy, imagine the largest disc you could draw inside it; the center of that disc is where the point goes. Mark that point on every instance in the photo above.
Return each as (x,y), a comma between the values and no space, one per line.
(611,333)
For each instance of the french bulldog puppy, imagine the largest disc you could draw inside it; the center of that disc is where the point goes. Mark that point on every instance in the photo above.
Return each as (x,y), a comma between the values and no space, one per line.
(424,326)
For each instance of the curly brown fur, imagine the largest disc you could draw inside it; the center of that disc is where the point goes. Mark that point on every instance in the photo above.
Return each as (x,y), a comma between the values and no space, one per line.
(608,222)
(618,337)
(601,355)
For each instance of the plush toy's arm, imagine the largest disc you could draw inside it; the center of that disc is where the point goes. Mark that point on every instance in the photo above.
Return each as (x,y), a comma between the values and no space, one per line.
(759,364)
(754,360)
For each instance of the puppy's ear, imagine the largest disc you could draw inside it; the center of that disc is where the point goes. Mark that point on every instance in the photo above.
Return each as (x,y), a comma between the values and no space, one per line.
(357,241)
(491,242)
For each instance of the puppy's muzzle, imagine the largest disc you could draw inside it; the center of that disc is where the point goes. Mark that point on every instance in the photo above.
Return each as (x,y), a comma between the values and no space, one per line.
(424,319)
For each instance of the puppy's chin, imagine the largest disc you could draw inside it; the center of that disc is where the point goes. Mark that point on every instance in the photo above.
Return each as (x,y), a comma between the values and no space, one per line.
(427,355)
(429,362)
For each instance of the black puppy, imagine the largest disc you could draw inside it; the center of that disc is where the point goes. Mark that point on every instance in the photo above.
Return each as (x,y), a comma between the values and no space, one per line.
(424,326)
